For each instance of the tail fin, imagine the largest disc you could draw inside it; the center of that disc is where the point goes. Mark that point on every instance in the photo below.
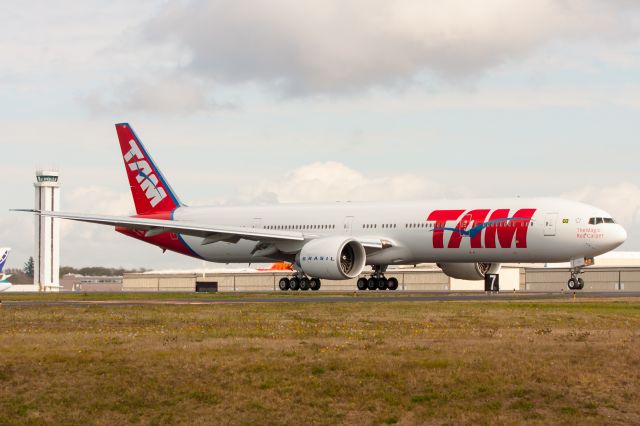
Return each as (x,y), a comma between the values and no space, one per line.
(4,253)
(151,191)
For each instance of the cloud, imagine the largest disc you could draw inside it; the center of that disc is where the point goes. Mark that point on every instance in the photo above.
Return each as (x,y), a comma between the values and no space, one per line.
(329,46)
(332,181)
(167,95)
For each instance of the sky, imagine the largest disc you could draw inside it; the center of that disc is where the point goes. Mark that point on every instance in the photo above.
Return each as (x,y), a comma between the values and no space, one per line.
(362,100)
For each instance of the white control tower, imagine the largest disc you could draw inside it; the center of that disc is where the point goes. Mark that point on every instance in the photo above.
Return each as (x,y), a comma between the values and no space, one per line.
(46,273)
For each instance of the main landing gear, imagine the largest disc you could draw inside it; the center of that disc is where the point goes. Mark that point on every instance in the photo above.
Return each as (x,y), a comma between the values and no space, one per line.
(299,283)
(575,282)
(377,280)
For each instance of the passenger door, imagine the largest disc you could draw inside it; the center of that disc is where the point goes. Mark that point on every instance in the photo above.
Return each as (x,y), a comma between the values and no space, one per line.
(550,220)
(348,225)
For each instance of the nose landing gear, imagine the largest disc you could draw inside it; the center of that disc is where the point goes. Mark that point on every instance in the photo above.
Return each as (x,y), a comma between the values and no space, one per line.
(575,282)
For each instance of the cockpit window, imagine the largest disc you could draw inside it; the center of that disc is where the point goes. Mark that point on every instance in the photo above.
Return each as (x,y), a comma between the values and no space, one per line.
(599,220)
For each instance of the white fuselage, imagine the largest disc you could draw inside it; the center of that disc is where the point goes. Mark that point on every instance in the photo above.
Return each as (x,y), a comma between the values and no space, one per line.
(473,230)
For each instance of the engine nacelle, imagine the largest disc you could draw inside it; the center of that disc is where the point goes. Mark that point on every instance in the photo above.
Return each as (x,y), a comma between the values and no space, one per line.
(469,271)
(334,258)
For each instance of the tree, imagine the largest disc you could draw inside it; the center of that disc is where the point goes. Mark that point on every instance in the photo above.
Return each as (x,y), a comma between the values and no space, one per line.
(28,267)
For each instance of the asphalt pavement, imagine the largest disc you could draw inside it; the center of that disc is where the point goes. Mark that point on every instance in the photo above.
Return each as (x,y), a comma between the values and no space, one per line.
(359,297)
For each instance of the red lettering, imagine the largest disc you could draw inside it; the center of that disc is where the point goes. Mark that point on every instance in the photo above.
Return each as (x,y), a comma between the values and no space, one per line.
(490,232)
(441,217)
(507,229)
(473,219)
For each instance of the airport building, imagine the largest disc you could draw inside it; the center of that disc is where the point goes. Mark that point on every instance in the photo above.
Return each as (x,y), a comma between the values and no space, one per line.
(512,278)
(86,284)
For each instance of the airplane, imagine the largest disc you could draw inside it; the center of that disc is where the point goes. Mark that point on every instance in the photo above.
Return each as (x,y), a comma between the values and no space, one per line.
(467,238)
(4,279)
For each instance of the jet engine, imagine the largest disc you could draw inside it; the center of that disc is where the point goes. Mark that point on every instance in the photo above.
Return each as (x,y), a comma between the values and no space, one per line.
(469,271)
(334,258)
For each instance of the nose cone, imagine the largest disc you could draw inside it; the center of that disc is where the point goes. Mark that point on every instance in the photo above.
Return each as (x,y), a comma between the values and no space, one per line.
(614,236)
(617,236)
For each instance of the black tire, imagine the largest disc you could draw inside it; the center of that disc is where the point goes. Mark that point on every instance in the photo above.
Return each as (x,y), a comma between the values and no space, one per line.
(572,284)
(362,284)
(372,283)
(383,283)
(580,284)
(393,283)
(304,284)
(294,284)
(283,284)
(314,284)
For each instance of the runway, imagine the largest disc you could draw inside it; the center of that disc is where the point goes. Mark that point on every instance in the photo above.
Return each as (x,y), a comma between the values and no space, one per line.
(341,298)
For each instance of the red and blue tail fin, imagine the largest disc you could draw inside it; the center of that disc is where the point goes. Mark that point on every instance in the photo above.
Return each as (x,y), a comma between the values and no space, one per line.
(4,253)
(151,191)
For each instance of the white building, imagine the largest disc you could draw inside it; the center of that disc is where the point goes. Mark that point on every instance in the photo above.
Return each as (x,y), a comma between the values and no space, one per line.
(46,274)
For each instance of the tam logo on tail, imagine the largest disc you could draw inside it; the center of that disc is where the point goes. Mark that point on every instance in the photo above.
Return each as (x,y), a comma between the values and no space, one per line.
(151,192)
(146,178)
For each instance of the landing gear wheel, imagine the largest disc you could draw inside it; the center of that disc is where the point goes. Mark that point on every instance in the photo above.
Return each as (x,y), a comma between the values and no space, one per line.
(294,284)
(572,284)
(372,284)
(382,283)
(580,284)
(304,284)
(314,284)
(283,284)
(393,283)
(362,284)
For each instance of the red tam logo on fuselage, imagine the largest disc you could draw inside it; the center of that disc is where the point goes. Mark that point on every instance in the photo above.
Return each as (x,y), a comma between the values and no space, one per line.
(473,224)
(147,180)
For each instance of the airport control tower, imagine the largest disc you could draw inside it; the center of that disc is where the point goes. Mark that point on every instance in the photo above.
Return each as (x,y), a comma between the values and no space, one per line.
(46,273)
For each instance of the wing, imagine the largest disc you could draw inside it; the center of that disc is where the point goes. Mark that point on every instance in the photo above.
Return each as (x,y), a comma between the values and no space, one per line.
(159,226)
(209,233)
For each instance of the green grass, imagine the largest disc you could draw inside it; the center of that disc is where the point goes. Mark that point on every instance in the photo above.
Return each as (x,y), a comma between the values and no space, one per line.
(499,362)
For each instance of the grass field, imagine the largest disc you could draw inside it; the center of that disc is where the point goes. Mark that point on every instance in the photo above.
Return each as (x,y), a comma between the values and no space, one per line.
(500,362)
